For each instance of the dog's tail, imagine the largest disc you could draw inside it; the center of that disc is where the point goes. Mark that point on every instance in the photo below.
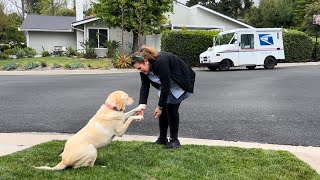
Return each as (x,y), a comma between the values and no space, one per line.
(58,167)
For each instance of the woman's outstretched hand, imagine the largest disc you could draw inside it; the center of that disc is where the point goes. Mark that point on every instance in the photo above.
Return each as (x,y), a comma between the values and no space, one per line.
(157,113)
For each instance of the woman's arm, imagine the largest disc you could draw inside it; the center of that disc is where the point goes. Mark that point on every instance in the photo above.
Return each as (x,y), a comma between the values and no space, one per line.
(163,70)
(144,90)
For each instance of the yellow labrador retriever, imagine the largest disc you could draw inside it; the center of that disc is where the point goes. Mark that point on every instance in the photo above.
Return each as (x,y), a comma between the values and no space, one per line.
(110,120)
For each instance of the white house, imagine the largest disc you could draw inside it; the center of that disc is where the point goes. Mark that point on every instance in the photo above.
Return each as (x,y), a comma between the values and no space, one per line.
(59,32)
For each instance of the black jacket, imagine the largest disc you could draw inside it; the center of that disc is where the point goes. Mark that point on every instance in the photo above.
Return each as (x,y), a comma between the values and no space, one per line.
(167,67)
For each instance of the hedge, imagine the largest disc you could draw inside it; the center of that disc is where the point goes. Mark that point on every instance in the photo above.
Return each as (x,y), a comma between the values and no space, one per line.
(298,46)
(318,48)
(187,45)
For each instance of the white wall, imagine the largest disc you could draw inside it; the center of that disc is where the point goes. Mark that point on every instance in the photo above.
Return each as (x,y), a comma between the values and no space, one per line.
(48,40)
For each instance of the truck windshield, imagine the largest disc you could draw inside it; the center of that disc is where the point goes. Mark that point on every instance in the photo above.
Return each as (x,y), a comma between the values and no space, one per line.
(224,39)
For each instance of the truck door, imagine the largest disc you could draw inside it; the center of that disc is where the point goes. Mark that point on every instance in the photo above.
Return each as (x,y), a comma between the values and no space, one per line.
(246,50)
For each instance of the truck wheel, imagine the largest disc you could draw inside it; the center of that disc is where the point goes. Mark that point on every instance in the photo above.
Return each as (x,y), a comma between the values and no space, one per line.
(212,68)
(250,67)
(269,63)
(224,65)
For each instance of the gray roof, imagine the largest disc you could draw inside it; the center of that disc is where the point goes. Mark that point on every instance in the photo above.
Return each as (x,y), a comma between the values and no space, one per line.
(47,23)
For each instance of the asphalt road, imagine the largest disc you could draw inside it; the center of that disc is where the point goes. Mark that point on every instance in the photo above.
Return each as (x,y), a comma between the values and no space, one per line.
(279,106)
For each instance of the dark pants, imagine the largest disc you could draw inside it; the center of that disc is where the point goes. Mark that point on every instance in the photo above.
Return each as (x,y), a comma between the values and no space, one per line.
(169,118)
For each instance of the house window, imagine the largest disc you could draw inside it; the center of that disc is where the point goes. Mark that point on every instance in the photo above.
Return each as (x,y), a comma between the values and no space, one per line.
(247,41)
(98,37)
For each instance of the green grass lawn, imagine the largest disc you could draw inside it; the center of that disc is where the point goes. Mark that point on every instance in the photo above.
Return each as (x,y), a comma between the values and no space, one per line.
(94,63)
(142,160)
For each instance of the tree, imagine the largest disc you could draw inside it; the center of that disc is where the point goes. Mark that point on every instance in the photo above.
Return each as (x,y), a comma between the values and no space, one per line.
(207,3)
(310,10)
(146,17)
(300,12)
(271,13)
(66,12)
(231,8)
(52,7)
(3,17)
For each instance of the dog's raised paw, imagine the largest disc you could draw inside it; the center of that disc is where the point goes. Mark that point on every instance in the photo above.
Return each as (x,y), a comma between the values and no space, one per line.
(142,106)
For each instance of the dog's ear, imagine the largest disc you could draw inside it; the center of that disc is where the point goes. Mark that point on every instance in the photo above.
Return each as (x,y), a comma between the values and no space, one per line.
(120,101)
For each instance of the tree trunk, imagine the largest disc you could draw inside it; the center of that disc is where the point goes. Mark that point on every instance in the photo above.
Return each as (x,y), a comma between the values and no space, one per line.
(135,44)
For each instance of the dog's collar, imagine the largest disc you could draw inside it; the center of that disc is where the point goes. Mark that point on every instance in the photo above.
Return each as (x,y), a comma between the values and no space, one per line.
(111,107)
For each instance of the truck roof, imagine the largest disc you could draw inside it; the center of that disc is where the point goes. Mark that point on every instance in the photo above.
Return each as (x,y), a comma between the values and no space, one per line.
(252,30)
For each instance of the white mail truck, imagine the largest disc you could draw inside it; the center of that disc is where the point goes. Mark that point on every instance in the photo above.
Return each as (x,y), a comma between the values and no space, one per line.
(245,47)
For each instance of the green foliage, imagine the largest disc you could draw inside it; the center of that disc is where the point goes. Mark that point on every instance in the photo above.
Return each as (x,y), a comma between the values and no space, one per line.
(51,7)
(45,53)
(71,51)
(89,52)
(10,66)
(19,52)
(309,11)
(56,65)
(12,35)
(30,65)
(112,46)
(4,47)
(121,61)
(318,49)
(271,13)
(144,160)
(187,44)
(139,17)
(76,65)
(298,47)
(66,12)
(8,52)
(43,64)
(3,56)
(29,52)
(67,66)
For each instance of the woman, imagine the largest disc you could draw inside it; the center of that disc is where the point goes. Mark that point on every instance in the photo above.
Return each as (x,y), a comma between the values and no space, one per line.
(174,80)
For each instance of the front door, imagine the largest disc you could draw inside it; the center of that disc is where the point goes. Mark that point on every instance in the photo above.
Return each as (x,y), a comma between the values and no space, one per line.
(246,50)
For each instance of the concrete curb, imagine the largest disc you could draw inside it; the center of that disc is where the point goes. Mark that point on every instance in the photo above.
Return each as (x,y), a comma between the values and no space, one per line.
(113,71)
(13,142)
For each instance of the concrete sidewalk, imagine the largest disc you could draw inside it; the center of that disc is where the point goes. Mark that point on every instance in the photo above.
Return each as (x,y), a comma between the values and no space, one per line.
(112,71)
(13,142)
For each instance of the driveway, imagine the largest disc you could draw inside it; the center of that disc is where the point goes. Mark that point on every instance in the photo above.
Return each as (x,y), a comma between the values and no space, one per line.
(279,106)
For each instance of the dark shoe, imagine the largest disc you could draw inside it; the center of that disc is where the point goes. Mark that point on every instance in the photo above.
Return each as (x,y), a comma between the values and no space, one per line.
(161,141)
(174,144)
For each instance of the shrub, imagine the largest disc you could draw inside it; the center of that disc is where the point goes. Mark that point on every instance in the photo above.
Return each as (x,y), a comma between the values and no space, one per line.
(8,52)
(121,61)
(76,65)
(43,64)
(10,66)
(29,52)
(89,52)
(66,66)
(112,46)
(45,53)
(187,45)
(4,47)
(19,52)
(297,46)
(3,56)
(30,65)
(71,51)
(55,65)
(314,49)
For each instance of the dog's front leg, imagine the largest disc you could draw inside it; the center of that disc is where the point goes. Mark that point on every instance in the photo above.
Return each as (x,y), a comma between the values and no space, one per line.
(119,131)
(133,111)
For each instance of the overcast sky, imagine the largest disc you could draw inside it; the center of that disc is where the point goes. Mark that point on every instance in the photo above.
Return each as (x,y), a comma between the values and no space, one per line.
(11,8)
(184,1)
